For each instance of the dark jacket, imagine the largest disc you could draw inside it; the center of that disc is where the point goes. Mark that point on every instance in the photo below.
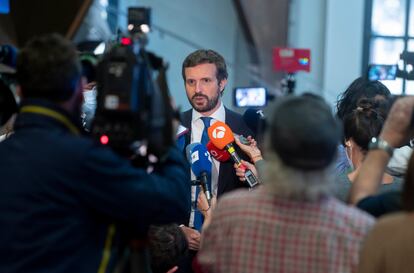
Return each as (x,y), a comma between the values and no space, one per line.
(227,180)
(60,193)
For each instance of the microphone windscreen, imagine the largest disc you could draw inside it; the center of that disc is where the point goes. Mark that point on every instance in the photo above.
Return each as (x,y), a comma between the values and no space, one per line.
(219,155)
(255,120)
(220,134)
(189,148)
(200,160)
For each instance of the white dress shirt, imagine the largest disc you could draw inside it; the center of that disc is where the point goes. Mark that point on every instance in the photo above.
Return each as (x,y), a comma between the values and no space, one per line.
(197,127)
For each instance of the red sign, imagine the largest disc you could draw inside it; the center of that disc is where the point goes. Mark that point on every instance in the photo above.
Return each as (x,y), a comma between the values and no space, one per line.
(291,60)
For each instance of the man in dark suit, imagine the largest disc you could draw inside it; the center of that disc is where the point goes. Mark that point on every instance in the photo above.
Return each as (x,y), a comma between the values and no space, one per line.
(205,78)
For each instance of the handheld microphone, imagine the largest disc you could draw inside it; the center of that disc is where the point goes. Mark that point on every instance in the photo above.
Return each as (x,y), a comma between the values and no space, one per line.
(255,120)
(200,161)
(189,148)
(222,137)
(219,155)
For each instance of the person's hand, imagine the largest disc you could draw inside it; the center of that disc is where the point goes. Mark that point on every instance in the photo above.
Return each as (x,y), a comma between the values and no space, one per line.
(203,206)
(240,171)
(205,209)
(397,127)
(89,86)
(193,237)
(251,150)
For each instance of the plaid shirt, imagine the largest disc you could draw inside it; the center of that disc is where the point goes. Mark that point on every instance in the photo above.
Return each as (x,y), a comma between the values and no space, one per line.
(257,232)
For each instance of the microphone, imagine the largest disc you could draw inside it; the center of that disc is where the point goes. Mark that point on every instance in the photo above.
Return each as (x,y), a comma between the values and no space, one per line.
(222,137)
(200,161)
(189,148)
(255,120)
(181,137)
(219,155)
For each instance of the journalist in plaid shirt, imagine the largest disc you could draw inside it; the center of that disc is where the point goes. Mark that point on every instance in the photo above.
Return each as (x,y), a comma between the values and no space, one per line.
(290,224)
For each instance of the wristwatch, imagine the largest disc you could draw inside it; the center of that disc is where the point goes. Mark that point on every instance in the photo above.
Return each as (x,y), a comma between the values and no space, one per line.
(378,143)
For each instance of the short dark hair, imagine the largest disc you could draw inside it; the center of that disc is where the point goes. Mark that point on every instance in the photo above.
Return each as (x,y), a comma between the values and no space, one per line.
(365,121)
(203,56)
(359,88)
(168,246)
(48,67)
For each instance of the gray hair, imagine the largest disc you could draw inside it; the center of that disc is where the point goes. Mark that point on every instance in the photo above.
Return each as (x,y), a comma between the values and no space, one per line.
(295,184)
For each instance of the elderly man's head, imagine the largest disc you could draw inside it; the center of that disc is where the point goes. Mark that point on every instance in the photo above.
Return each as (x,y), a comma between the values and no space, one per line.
(303,138)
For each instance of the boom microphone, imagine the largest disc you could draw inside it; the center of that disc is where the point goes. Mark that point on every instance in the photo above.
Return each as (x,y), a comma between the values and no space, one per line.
(200,161)
(219,155)
(222,137)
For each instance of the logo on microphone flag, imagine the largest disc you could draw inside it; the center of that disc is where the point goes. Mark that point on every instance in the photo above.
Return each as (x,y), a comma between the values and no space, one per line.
(219,132)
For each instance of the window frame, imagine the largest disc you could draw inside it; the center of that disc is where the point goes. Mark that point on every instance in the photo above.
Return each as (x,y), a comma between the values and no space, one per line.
(369,36)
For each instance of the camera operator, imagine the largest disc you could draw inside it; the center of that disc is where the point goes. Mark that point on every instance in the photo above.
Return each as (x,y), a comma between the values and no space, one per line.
(63,197)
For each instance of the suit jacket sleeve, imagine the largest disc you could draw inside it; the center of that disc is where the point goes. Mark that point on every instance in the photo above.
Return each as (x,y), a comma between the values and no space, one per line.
(128,194)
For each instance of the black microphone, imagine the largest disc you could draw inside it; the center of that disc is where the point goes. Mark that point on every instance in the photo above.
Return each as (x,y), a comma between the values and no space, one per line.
(256,121)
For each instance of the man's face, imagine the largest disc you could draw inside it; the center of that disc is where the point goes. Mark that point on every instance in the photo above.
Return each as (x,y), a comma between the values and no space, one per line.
(202,87)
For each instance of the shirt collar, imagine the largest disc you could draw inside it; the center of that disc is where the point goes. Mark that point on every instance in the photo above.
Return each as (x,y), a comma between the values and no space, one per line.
(219,114)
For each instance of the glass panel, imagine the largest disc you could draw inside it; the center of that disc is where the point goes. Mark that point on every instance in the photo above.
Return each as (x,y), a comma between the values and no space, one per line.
(387,51)
(395,86)
(411,20)
(410,44)
(409,85)
(388,17)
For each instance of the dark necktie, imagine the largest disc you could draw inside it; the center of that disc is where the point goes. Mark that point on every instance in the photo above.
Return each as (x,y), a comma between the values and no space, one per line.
(198,217)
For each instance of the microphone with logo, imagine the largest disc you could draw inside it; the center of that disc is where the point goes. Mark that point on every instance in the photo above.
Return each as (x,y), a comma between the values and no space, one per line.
(256,121)
(222,137)
(216,153)
(200,161)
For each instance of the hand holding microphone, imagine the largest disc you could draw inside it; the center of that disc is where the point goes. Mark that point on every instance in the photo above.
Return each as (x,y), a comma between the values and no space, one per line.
(222,137)
(251,150)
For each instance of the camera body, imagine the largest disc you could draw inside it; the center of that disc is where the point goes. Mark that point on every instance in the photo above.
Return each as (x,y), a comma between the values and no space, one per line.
(134,115)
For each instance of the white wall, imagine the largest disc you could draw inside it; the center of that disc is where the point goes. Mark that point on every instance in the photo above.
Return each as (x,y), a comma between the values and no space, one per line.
(307,21)
(333,29)
(210,24)
(343,46)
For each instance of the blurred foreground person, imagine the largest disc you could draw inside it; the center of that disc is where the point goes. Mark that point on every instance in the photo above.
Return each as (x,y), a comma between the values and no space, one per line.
(63,197)
(397,131)
(393,254)
(291,223)
(389,246)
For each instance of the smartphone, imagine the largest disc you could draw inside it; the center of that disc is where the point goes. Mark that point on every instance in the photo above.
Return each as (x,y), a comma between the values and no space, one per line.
(250,96)
(381,72)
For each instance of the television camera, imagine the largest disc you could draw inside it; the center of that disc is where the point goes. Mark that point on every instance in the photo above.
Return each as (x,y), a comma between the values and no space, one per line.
(134,115)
